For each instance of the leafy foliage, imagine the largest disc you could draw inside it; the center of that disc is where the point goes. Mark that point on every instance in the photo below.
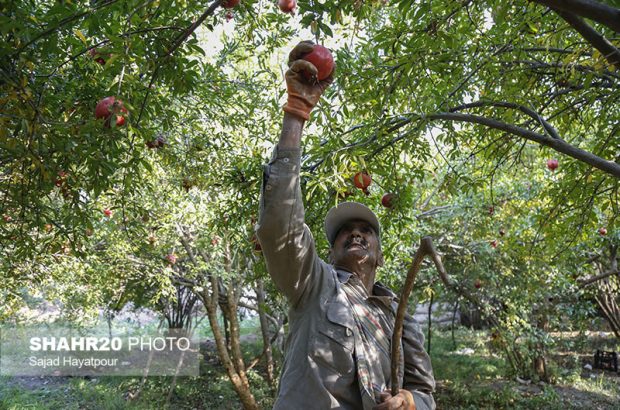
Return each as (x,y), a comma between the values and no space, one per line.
(454,107)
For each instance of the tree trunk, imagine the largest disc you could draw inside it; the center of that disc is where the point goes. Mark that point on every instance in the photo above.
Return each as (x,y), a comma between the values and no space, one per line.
(540,362)
(226,329)
(264,327)
(210,297)
(239,381)
(608,305)
(608,292)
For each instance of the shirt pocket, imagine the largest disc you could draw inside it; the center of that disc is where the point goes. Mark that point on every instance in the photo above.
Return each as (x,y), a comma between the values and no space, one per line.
(334,342)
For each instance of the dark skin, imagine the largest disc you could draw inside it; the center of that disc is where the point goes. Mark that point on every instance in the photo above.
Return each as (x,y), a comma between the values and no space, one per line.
(357,249)
(365,256)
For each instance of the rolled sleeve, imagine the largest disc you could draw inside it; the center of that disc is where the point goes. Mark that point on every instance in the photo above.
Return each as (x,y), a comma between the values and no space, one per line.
(288,245)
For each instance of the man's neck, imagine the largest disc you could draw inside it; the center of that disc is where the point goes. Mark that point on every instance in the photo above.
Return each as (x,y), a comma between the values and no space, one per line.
(365,275)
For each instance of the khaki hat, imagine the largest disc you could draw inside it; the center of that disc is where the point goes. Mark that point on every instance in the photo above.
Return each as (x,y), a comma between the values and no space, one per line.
(348,211)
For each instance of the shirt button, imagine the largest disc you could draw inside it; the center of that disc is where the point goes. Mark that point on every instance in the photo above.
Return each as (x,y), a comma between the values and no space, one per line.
(347,332)
(285,160)
(268,187)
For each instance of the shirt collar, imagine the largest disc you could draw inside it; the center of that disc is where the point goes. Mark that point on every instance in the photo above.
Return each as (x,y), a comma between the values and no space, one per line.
(379,290)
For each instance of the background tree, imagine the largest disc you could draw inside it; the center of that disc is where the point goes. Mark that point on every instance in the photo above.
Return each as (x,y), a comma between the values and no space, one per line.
(457,109)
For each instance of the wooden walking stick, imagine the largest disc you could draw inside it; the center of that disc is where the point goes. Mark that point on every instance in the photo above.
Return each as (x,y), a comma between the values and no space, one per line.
(426,248)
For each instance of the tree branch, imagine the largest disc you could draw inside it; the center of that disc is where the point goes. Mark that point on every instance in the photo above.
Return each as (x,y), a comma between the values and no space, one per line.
(599,12)
(177,43)
(62,22)
(596,278)
(533,114)
(597,40)
(556,144)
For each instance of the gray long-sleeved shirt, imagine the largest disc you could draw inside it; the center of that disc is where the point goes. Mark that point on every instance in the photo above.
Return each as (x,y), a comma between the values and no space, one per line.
(319,370)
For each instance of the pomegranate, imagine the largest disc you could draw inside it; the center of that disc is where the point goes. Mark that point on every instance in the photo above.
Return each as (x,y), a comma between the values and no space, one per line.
(171,258)
(388,200)
(287,6)
(109,106)
(362,180)
(552,164)
(229,4)
(96,55)
(322,59)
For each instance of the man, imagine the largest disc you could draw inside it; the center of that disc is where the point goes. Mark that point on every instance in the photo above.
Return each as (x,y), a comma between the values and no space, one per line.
(341,321)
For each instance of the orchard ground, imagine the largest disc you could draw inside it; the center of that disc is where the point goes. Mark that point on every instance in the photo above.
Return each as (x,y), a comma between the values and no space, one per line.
(469,376)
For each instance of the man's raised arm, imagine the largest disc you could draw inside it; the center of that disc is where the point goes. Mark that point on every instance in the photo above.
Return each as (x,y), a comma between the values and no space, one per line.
(286,241)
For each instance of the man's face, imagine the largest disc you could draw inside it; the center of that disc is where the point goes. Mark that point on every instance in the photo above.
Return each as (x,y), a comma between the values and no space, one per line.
(356,244)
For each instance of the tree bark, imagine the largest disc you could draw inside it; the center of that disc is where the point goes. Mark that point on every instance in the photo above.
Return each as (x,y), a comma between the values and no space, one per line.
(594,10)
(210,297)
(597,40)
(240,384)
(264,327)
(559,145)
(608,293)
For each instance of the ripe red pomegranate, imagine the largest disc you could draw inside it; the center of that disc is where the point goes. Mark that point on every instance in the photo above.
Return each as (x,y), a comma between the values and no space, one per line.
(602,231)
(388,200)
(229,4)
(96,55)
(322,59)
(107,212)
(494,243)
(287,6)
(477,284)
(109,106)
(172,258)
(552,164)
(362,180)
(229,16)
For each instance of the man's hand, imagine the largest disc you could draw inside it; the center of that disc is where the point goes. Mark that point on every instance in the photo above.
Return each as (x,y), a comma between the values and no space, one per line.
(302,94)
(403,401)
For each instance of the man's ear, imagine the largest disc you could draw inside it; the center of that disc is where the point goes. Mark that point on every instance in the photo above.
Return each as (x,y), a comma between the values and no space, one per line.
(380,259)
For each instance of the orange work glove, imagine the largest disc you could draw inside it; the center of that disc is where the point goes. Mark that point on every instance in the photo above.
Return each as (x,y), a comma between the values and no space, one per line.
(302,94)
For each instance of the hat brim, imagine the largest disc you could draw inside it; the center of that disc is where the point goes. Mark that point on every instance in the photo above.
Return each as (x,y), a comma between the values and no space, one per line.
(348,211)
